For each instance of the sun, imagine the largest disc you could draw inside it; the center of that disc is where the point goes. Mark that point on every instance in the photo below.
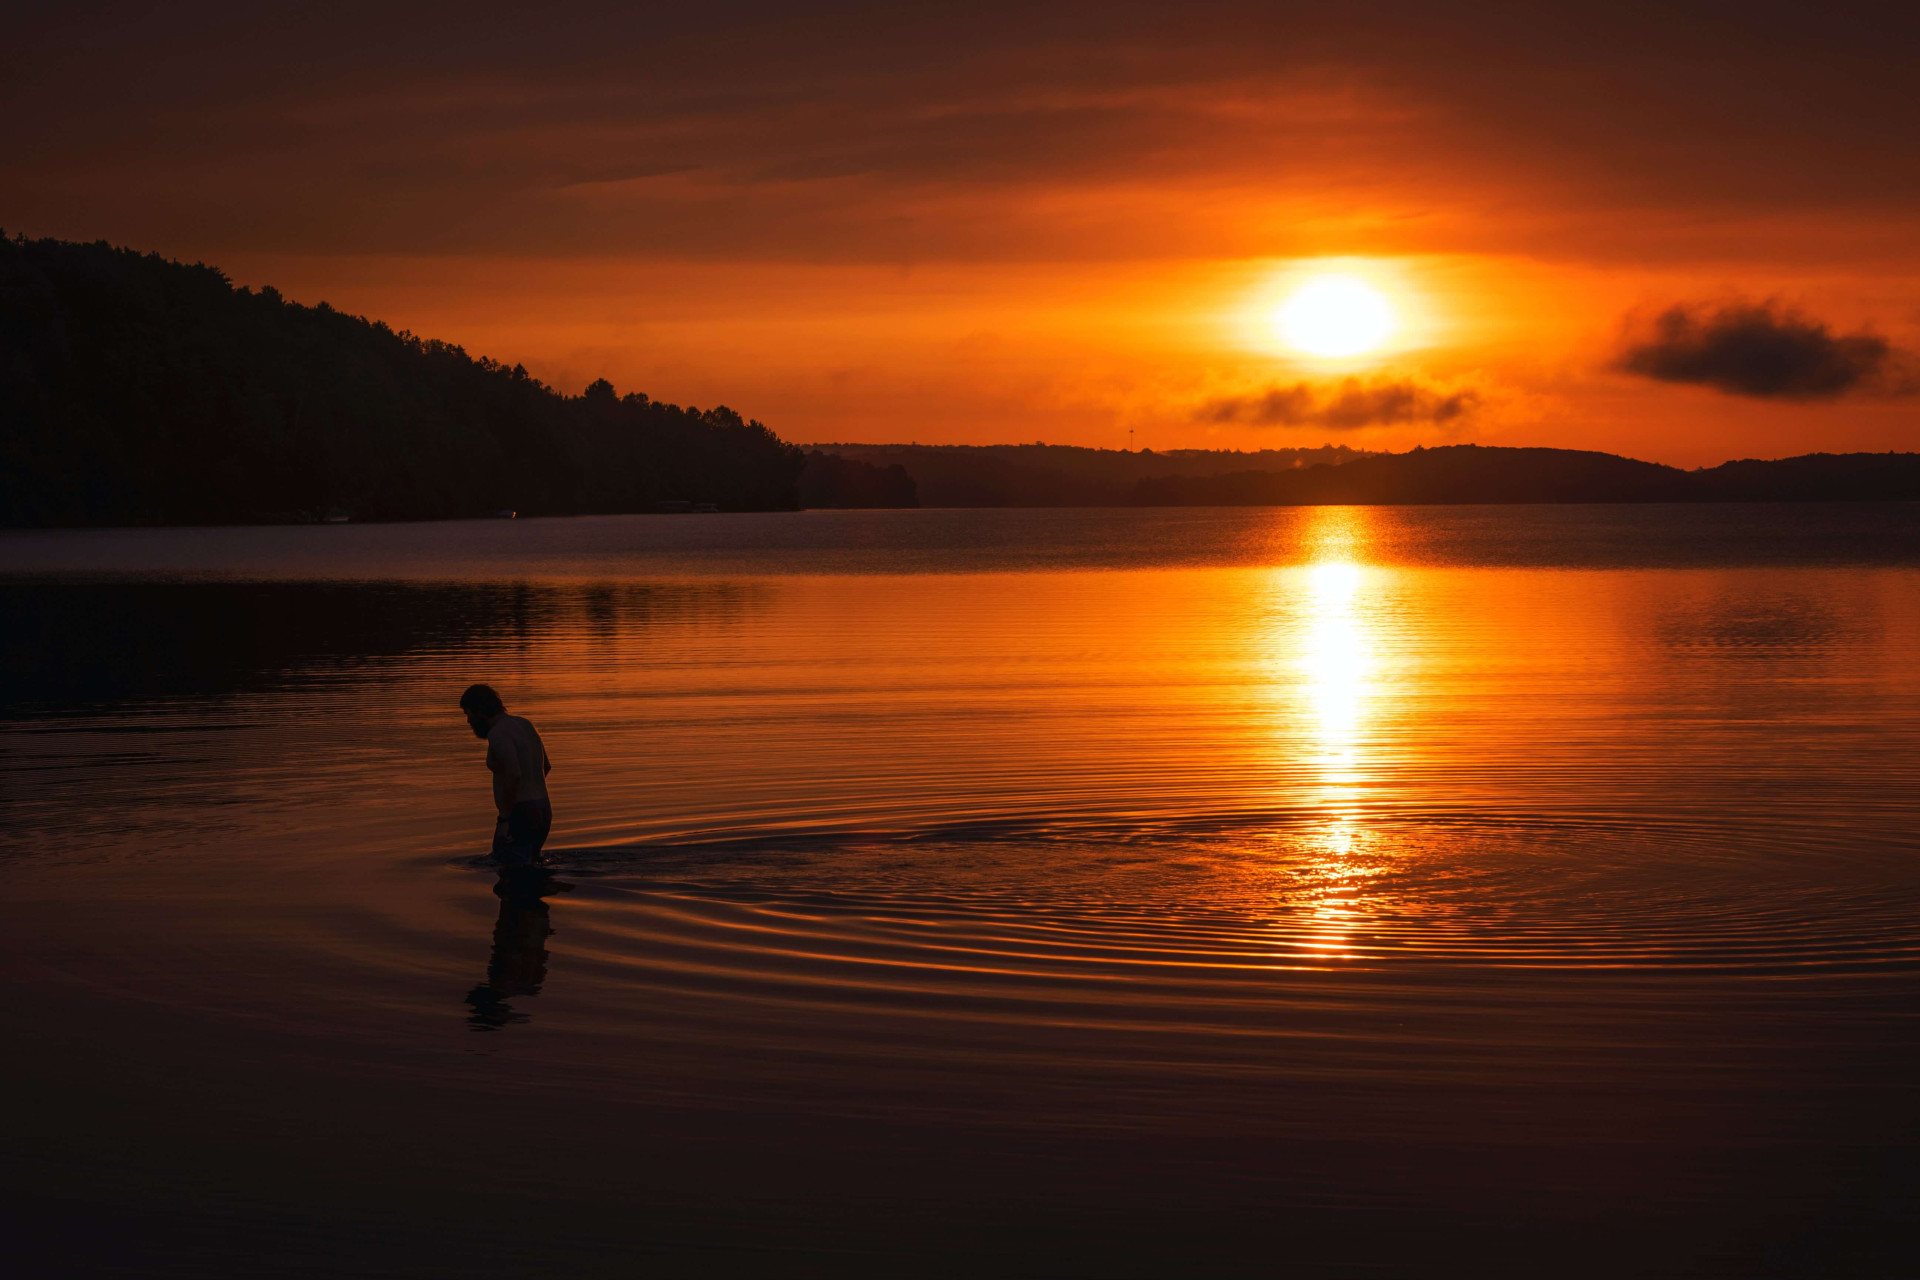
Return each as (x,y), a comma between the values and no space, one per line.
(1334,316)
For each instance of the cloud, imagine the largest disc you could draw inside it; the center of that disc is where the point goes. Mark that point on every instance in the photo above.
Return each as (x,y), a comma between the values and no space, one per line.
(1346,406)
(1764,350)
(1043,130)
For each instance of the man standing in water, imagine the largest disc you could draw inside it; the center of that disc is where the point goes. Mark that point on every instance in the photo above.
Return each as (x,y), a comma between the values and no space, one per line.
(520,767)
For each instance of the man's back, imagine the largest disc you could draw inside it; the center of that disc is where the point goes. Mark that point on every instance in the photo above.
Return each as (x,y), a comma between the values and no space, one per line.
(514,746)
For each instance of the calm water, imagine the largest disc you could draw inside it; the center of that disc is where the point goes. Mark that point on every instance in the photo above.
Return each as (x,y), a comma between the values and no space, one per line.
(1336,891)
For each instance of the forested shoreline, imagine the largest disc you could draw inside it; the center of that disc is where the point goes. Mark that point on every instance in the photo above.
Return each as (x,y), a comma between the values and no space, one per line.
(1056,475)
(139,391)
(1467,473)
(136,390)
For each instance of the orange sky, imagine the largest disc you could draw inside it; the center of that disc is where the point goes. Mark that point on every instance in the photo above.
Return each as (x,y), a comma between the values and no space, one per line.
(1052,222)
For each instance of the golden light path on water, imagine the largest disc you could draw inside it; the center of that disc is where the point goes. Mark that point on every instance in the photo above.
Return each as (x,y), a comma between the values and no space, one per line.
(1329,655)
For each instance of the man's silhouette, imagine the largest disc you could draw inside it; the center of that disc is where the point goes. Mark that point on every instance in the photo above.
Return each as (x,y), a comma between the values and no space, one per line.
(520,767)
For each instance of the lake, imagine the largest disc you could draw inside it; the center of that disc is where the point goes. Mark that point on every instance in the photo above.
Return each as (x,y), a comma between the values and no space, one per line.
(1325,891)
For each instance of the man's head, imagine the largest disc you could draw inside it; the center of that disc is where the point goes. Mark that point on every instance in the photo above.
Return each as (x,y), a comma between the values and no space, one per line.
(482,707)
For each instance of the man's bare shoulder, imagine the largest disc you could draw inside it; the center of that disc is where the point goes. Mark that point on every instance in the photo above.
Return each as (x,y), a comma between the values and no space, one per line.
(500,742)
(512,733)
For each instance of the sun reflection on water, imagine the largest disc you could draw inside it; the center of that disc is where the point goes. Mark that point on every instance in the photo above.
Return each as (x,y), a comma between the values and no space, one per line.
(1335,661)
(1336,656)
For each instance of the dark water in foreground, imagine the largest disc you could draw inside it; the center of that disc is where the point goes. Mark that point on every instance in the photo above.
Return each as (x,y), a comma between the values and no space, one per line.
(1488,891)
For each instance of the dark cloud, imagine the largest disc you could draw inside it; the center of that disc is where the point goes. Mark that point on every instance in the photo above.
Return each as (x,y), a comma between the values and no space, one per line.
(1346,406)
(1765,350)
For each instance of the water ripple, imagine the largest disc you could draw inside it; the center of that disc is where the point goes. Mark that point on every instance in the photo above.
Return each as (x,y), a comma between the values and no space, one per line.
(1206,906)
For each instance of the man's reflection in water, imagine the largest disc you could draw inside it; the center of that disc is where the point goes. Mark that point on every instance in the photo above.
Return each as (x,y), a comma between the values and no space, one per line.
(519,962)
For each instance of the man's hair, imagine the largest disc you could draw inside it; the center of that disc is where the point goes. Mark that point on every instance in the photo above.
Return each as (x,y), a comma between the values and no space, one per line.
(481,700)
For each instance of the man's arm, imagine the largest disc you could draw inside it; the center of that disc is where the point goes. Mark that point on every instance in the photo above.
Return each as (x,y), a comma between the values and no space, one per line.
(506,780)
(505,787)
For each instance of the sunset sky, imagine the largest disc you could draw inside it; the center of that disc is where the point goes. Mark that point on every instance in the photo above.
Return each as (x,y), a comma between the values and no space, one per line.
(1682,232)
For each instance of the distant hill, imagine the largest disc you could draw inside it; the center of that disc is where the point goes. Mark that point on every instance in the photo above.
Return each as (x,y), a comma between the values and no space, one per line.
(1041,475)
(1054,475)
(831,480)
(1479,473)
(134,390)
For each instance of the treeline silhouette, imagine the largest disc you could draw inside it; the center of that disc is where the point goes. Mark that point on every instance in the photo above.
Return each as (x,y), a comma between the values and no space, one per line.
(1057,475)
(831,480)
(136,390)
(1486,474)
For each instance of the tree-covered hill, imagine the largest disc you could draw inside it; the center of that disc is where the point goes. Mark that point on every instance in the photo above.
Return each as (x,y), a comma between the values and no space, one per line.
(135,390)
(1468,473)
(1057,475)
